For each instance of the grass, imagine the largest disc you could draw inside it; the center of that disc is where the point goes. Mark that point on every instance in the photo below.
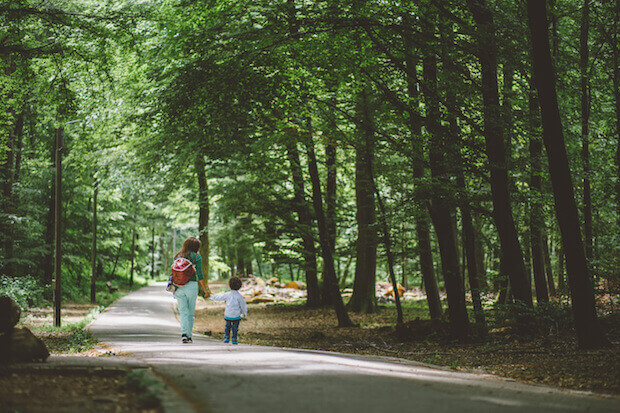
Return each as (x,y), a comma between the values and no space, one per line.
(70,338)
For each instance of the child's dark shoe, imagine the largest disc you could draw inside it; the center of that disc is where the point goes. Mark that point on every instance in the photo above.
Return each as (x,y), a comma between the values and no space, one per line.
(226,340)
(235,342)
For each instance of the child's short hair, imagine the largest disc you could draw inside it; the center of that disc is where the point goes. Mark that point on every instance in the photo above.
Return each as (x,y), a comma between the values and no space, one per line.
(234,283)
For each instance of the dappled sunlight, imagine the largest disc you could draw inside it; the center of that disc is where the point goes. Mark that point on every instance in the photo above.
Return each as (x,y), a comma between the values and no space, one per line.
(145,328)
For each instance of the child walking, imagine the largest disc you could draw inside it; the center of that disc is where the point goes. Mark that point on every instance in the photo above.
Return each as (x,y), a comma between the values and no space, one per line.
(235,308)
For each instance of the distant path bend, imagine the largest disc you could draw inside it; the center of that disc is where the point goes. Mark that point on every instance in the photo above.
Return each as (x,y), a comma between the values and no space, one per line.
(221,378)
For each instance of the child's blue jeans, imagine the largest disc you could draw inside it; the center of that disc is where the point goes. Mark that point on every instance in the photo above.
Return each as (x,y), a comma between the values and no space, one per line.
(234,324)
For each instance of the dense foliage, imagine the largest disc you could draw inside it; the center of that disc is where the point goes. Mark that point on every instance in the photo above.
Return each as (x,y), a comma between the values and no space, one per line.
(202,118)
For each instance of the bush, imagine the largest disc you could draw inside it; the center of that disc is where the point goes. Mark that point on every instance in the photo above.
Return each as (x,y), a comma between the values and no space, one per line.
(26,291)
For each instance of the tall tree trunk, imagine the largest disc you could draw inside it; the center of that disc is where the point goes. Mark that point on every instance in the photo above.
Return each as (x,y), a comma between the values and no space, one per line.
(48,260)
(390,258)
(496,153)
(561,279)
(616,86)
(440,209)
(585,127)
(536,216)
(7,203)
(469,238)
(203,214)
(58,228)
(363,298)
(240,263)
(589,332)
(118,255)
(304,215)
(548,268)
(508,94)
(403,279)
(422,226)
(468,257)
(330,206)
(313,299)
(328,259)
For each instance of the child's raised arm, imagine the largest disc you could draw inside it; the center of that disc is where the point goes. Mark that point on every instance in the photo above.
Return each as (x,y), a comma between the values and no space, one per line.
(219,297)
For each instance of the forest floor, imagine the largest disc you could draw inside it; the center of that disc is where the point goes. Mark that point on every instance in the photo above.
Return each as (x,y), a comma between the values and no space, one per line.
(67,389)
(552,359)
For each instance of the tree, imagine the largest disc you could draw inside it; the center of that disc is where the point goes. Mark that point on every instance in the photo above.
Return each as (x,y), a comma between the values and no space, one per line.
(588,329)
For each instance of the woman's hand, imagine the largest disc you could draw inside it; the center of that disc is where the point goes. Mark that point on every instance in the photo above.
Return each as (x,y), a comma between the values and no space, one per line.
(204,290)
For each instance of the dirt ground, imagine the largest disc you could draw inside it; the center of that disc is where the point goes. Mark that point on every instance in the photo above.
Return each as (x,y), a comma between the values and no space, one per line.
(552,360)
(34,390)
(67,392)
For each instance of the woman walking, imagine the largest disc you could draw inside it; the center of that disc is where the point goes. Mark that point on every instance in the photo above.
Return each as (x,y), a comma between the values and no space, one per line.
(186,294)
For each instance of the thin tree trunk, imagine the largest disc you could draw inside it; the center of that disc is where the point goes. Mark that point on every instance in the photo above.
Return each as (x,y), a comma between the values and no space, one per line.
(203,215)
(589,332)
(330,206)
(403,281)
(240,264)
(508,75)
(345,272)
(561,279)
(7,203)
(390,259)
(260,271)
(469,240)
(118,254)
(616,86)
(328,259)
(48,261)
(58,228)
(548,269)
(422,229)
(496,153)
(536,218)
(468,252)
(313,299)
(363,298)
(585,128)
(440,209)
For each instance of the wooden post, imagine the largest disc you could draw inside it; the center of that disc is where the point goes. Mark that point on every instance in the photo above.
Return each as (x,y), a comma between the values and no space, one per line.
(153,252)
(93,275)
(133,254)
(58,229)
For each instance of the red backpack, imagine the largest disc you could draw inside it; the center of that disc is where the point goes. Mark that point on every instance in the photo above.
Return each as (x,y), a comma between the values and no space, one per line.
(182,271)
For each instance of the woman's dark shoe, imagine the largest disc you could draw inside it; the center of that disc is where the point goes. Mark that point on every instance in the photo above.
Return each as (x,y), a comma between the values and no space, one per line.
(185,339)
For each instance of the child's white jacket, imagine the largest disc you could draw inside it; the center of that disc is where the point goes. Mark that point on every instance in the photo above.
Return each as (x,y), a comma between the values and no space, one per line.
(235,304)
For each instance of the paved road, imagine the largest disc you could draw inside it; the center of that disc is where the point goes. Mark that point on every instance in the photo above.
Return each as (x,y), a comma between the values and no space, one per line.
(218,377)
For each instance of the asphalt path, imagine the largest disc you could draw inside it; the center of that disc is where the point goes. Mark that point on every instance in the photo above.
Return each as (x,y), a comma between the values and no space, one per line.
(216,377)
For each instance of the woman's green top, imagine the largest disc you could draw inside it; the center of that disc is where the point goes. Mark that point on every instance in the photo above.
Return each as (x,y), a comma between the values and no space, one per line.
(196,259)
